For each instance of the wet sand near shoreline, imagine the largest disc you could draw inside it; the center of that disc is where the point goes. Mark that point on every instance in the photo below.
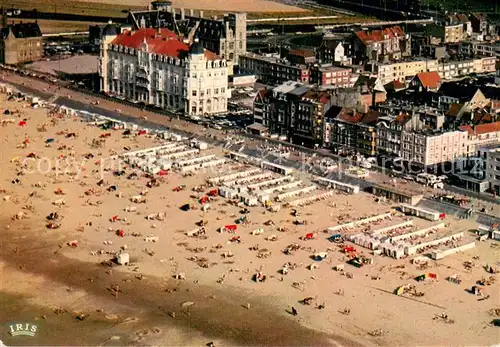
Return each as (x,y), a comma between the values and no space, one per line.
(218,312)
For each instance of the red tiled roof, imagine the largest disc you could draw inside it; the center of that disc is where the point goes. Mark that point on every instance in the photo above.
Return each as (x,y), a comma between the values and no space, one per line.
(378,35)
(319,96)
(395,85)
(481,116)
(164,42)
(209,55)
(429,79)
(352,116)
(481,128)
(454,110)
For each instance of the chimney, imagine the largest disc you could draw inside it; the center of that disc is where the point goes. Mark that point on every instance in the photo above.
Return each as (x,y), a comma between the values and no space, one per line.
(201,14)
(191,13)
(214,17)
(183,14)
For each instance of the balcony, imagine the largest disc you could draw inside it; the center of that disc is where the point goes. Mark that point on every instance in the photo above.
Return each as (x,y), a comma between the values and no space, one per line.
(142,84)
(142,74)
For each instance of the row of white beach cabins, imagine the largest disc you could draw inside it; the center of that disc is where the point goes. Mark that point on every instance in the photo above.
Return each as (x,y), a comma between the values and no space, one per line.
(395,242)
(251,186)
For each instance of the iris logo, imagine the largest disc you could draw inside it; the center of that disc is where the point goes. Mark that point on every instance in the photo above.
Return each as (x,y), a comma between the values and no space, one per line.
(25,329)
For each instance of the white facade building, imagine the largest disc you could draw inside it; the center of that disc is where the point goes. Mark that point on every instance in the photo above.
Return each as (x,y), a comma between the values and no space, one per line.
(430,149)
(493,168)
(154,67)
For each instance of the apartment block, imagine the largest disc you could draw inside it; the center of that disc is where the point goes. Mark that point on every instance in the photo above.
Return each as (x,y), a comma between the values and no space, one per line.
(433,148)
(272,70)
(20,43)
(447,33)
(293,110)
(349,131)
(400,71)
(381,45)
(481,135)
(492,162)
(480,48)
(461,18)
(331,76)
(155,67)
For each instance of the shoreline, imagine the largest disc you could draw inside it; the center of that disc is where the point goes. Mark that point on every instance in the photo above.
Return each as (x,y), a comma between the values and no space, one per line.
(224,307)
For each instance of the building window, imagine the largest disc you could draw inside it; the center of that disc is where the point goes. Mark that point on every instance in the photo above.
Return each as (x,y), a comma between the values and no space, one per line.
(222,90)
(193,93)
(216,90)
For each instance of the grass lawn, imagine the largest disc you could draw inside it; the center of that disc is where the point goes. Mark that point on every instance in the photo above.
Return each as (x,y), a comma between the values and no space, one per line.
(68,6)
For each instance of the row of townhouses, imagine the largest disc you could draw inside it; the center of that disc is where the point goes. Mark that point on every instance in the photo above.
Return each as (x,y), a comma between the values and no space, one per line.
(449,128)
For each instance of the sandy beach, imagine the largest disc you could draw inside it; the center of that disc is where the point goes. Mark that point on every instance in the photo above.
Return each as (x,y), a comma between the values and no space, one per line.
(74,290)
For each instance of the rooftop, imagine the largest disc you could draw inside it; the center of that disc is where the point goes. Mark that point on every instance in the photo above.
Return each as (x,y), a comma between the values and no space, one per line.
(272,60)
(481,128)
(331,43)
(332,68)
(429,80)
(162,42)
(22,30)
(317,95)
(287,87)
(353,116)
(302,53)
(408,189)
(454,110)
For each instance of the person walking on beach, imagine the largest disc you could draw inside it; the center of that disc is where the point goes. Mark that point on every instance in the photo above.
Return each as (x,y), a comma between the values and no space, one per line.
(294,311)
